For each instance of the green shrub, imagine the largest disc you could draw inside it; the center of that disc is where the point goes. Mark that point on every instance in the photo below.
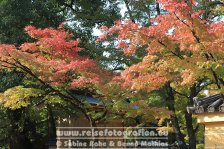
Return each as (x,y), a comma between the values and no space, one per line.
(200,146)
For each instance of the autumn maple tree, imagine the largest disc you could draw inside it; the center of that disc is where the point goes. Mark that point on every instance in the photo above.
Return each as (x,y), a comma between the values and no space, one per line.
(53,60)
(180,47)
(184,53)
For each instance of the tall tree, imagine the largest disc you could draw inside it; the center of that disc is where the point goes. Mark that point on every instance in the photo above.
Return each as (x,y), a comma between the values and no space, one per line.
(181,53)
(55,63)
(18,14)
(15,16)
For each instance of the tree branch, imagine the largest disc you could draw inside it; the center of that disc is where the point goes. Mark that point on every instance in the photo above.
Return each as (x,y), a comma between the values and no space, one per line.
(180,56)
(129,11)
(180,93)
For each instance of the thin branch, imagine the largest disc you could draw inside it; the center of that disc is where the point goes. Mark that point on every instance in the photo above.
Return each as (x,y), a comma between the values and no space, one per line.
(157,8)
(192,30)
(180,93)
(216,79)
(129,11)
(180,56)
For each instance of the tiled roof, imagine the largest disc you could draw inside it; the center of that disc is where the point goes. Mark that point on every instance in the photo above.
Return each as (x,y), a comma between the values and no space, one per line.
(214,103)
(90,100)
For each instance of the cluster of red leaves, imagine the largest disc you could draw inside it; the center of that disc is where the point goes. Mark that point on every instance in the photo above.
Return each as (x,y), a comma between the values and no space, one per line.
(52,58)
(181,28)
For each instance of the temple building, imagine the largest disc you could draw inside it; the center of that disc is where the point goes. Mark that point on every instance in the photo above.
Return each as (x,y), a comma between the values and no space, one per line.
(210,112)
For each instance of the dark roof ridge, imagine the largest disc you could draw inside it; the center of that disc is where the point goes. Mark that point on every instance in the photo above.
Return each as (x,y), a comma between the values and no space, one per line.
(207,104)
(211,98)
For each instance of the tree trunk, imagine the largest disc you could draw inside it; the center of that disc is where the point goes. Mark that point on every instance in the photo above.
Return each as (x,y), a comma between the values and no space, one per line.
(51,124)
(190,130)
(174,119)
(188,119)
(17,139)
